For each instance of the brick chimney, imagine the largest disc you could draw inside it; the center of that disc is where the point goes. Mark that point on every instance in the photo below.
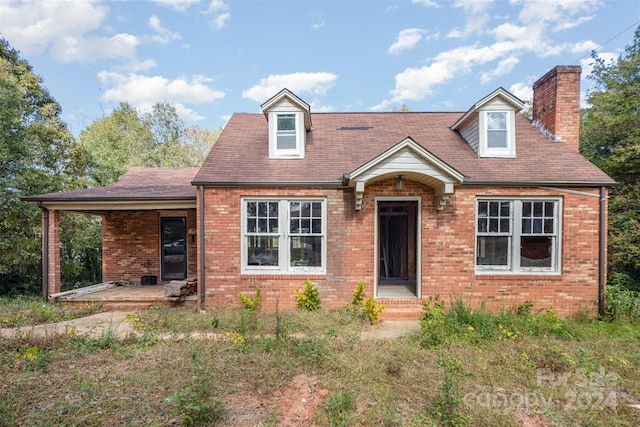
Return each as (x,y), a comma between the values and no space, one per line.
(556,104)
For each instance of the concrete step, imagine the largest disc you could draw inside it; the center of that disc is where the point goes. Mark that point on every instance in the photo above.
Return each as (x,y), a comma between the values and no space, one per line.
(401,312)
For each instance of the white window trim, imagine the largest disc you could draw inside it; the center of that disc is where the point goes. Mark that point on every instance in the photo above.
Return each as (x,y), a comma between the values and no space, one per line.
(295,153)
(484,150)
(283,266)
(513,265)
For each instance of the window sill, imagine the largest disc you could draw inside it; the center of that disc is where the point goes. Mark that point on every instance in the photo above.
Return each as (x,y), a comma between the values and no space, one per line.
(521,275)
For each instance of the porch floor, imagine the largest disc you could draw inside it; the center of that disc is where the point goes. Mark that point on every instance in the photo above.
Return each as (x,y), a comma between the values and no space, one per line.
(397,289)
(131,294)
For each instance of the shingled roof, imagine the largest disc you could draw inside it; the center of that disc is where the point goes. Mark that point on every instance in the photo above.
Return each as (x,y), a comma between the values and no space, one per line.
(138,184)
(339,143)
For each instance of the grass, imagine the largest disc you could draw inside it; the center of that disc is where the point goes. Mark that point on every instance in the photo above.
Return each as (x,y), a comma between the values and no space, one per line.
(465,367)
(29,310)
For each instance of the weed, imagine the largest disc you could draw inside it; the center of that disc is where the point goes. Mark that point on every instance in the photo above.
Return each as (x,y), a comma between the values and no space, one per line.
(309,297)
(251,304)
(432,323)
(622,303)
(340,408)
(34,358)
(312,349)
(447,405)
(194,404)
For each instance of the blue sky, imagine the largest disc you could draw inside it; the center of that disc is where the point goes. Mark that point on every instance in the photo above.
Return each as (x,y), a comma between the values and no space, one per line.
(212,58)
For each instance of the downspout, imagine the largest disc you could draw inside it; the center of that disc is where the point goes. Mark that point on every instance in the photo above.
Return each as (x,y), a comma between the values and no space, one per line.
(602,258)
(201,279)
(45,254)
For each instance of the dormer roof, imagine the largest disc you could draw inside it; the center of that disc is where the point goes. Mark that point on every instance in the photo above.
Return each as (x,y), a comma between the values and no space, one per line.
(499,94)
(286,94)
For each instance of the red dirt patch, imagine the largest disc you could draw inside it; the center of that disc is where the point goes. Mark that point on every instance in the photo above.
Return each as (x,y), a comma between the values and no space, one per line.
(293,404)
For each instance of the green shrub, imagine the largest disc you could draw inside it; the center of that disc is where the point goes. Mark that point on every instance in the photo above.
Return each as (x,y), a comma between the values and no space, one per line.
(252,304)
(365,308)
(358,295)
(372,310)
(309,297)
(622,303)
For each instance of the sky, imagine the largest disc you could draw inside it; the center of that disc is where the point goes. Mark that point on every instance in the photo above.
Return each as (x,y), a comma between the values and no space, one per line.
(211,58)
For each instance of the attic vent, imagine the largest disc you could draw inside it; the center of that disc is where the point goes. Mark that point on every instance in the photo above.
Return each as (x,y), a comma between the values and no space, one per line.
(355,128)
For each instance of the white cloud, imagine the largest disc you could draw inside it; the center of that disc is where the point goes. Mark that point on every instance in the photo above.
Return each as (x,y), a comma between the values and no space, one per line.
(523,90)
(476,19)
(504,67)
(33,27)
(530,34)
(177,5)
(299,83)
(79,49)
(163,35)
(220,12)
(140,90)
(562,14)
(585,47)
(407,39)
(426,3)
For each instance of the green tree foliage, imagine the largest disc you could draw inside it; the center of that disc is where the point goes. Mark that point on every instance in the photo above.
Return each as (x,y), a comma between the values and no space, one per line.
(37,155)
(610,138)
(127,138)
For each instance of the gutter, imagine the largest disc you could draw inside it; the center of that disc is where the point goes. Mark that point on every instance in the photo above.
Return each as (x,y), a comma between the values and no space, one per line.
(201,279)
(539,183)
(45,254)
(270,184)
(602,251)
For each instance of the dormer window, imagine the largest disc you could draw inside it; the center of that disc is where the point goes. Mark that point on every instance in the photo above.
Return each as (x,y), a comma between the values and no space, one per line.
(289,120)
(497,130)
(497,138)
(286,133)
(489,125)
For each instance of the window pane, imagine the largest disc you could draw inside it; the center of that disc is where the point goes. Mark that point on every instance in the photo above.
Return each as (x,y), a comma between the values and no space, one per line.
(252,209)
(493,250)
(493,208)
(493,225)
(497,139)
(526,225)
(526,209)
(316,210)
(286,122)
(537,209)
(251,225)
(483,209)
(316,226)
(548,209)
(262,250)
(306,251)
(497,121)
(536,251)
(286,142)
(548,226)
(482,225)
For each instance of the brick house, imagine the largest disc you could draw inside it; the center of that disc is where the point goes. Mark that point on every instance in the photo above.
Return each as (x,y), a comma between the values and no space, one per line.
(485,205)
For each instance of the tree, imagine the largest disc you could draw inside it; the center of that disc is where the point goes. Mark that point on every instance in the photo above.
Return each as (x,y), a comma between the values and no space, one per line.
(37,155)
(128,138)
(610,138)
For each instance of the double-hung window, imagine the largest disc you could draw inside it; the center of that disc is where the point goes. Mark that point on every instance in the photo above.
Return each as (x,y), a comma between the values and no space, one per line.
(497,134)
(286,132)
(497,129)
(284,235)
(518,235)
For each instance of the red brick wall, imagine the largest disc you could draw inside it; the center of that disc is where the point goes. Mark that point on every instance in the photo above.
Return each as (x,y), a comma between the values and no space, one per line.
(53,247)
(556,103)
(447,251)
(131,241)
